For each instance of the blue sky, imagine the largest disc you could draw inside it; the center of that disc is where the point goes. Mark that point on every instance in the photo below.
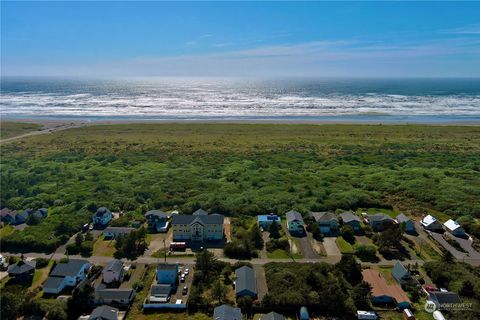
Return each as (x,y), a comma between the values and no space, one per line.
(269,39)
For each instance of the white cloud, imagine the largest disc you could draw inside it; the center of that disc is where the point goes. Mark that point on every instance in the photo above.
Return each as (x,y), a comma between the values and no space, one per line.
(473,29)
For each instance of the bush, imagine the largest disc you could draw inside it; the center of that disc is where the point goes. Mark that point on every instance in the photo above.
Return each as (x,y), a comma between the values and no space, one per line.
(274,244)
(41,263)
(366,253)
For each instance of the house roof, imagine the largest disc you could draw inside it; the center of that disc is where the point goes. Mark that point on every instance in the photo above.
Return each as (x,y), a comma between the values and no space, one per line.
(399,271)
(157,213)
(53,282)
(324,216)
(452,225)
(104,313)
(402,218)
(114,294)
(167,266)
(268,217)
(21,267)
(349,217)
(23,215)
(7,212)
(246,280)
(115,266)
(379,217)
(381,288)
(161,289)
(71,268)
(203,219)
(200,212)
(117,230)
(272,316)
(226,312)
(102,211)
(294,215)
(428,220)
(444,297)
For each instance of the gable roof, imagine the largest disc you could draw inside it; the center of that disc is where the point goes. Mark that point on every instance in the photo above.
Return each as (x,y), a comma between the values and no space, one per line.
(324,216)
(379,217)
(226,312)
(156,213)
(444,297)
(102,211)
(200,212)
(268,217)
(104,313)
(71,268)
(21,267)
(272,316)
(203,219)
(246,280)
(381,288)
(452,225)
(115,266)
(114,294)
(349,216)
(53,282)
(428,220)
(399,271)
(403,218)
(294,215)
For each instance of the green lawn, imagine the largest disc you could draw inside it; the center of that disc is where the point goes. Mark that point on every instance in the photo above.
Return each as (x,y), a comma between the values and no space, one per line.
(282,254)
(12,129)
(103,247)
(344,246)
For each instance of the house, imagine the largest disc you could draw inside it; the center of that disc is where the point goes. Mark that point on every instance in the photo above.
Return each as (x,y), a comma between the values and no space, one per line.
(157,220)
(383,293)
(431,223)
(160,293)
(304,313)
(245,283)
(295,222)
(41,213)
(67,274)
(113,272)
(198,227)
(167,273)
(454,228)
(400,273)
(22,271)
(327,221)
(264,221)
(115,297)
(22,217)
(226,312)
(102,217)
(351,219)
(7,215)
(379,221)
(113,232)
(409,224)
(272,316)
(104,313)
(200,212)
(441,298)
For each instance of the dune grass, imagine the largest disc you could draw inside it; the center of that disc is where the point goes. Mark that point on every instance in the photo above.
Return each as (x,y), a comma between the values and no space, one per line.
(12,129)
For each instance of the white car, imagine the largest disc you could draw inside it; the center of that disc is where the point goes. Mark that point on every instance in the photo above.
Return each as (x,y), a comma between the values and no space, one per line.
(182,278)
(186,271)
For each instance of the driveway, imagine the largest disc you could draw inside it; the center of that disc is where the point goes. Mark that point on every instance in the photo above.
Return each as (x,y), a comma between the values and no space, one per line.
(466,244)
(261,281)
(306,248)
(331,247)
(464,257)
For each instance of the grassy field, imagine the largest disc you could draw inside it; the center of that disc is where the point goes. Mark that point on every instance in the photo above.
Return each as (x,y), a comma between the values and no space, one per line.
(239,169)
(103,247)
(13,129)
(344,246)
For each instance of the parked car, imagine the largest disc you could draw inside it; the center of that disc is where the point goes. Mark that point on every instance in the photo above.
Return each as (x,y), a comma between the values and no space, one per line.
(85,227)
(182,278)
(186,271)
(185,290)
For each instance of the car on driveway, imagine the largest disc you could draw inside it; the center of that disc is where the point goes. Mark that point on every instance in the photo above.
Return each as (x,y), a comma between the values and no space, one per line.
(185,290)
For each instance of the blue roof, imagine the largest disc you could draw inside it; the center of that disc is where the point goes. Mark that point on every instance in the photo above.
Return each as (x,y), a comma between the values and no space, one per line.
(246,280)
(399,271)
(268,217)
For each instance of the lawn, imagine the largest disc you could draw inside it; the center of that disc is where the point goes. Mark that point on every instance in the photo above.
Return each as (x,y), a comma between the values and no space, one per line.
(386,271)
(282,254)
(12,129)
(40,276)
(105,248)
(237,169)
(344,246)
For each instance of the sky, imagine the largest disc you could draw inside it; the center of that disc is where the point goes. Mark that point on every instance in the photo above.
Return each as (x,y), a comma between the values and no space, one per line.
(240,39)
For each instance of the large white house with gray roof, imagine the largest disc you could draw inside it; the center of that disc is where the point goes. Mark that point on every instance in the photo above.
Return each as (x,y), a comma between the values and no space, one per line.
(199,227)
(67,274)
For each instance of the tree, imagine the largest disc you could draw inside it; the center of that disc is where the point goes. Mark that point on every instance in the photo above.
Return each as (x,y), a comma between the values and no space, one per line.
(11,302)
(467,289)
(316,232)
(204,262)
(274,230)
(256,237)
(347,233)
(78,240)
(361,295)
(56,311)
(219,291)
(351,269)
(245,303)
(448,257)
(81,300)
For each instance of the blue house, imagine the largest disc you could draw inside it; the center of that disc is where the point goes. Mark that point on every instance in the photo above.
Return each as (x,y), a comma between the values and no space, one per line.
(102,217)
(266,220)
(409,224)
(167,273)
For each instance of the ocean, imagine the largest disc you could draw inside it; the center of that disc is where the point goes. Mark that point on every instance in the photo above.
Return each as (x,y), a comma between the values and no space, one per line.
(336,100)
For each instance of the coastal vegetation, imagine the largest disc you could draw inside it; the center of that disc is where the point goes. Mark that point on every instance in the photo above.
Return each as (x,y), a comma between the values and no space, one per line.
(236,169)
(12,129)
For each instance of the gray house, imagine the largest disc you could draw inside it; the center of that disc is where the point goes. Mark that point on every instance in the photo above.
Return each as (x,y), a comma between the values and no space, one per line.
(157,220)
(295,222)
(272,316)
(351,219)
(409,224)
(327,221)
(246,282)
(226,312)
(114,297)
(200,212)
(442,298)
(104,313)
(400,273)
(113,272)
(22,271)
(379,220)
